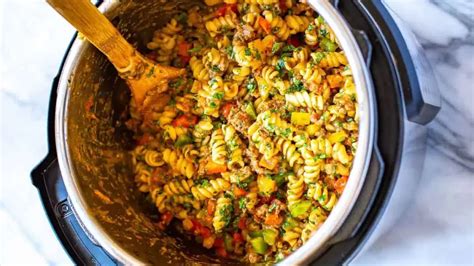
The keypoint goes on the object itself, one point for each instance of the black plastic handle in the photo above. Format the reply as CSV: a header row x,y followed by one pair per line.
x,y
420,91
47,178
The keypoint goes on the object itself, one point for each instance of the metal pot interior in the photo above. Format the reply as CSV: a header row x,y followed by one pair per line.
x,y
93,145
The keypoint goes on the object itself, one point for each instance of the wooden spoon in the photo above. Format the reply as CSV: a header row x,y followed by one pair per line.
x,y
140,73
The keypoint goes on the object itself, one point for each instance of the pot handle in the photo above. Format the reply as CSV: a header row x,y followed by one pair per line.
x,y
47,178
415,74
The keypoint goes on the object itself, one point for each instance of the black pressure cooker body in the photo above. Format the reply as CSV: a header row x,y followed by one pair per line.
x,y
402,99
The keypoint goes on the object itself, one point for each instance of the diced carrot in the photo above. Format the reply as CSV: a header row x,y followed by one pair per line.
x,y
211,207
185,120
221,252
215,168
340,184
238,192
273,219
226,109
242,225
265,25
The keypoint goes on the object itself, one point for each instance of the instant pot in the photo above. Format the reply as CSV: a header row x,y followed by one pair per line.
x,y
85,180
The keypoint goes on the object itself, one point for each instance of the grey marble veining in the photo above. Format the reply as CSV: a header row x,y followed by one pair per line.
x,y
437,228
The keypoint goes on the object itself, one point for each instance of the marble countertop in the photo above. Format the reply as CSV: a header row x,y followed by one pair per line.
x,y
437,228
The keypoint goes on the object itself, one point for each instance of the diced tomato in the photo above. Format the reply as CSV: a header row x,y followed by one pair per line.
x,y
221,11
219,242
144,139
183,48
226,109
283,6
238,192
215,168
238,238
221,252
211,207
186,120
166,217
185,58
242,225
294,40
265,25
340,184
273,219
205,232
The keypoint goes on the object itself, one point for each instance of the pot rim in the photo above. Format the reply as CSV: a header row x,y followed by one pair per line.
x,y
366,109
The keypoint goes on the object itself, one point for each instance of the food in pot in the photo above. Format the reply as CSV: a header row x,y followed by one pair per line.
x,y
251,149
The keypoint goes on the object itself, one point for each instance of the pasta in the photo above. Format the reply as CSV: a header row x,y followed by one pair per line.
x,y
252,147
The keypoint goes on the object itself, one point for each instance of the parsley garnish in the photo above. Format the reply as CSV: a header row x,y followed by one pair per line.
x,y
323,32
204,183
150,73
243,203
296,85
230,51
247,52
310,27
215,68
276,47
218,95
195,49
251,85
288,48
213,105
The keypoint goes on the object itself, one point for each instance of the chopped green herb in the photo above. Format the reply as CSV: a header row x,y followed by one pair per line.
x,y
195,49
213,105
182,18
251,85
288,48
323,32
257,55
248,52
230,51
204,183
311,27
243,203
286,132
322,198
272,207
276,47
215,68
296,85
150,73
218,95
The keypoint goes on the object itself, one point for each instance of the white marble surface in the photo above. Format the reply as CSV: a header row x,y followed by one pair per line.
x,y
438,228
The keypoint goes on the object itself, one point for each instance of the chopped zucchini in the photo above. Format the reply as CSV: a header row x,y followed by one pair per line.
x,y
300,208
327,45
259,245
183,140
250,110
269,236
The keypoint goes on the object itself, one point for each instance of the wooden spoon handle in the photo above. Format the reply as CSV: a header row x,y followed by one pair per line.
x,y
87,19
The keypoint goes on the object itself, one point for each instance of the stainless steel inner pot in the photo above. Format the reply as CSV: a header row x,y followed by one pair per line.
x,y
93,147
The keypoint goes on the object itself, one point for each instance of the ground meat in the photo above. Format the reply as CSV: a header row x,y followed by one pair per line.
x,y
254,157
260,213
244,33
240,120
273,104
